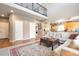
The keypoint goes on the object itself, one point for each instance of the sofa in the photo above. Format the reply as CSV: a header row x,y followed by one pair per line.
x,y
68,48
66,51
57,51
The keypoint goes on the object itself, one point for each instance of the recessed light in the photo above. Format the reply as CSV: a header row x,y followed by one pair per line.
x,y
11,11
2,15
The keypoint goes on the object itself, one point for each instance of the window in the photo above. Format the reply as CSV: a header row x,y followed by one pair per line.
x,y
60,28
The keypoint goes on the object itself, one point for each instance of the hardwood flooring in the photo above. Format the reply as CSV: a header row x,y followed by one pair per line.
x,y
6,43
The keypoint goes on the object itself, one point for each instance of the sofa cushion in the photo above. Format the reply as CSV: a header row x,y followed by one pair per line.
x,y
73,36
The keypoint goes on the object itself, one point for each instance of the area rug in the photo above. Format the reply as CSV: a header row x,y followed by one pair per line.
x,y
32,50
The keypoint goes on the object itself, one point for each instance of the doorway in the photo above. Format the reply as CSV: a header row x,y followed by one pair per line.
x,y
4,33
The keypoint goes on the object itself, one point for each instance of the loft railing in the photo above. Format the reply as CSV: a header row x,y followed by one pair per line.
x,y
35,7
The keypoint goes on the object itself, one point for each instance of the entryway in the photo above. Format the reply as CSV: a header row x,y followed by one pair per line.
x,y
4,33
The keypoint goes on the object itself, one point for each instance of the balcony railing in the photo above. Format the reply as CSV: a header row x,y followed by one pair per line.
x,y
35,7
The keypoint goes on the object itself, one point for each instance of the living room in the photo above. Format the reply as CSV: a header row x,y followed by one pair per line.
x,y
54,35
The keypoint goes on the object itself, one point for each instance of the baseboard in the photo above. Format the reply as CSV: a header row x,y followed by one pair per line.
x,y
21,39
3,38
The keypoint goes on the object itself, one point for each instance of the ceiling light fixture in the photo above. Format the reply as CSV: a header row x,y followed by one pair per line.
x,y
11,11
2,15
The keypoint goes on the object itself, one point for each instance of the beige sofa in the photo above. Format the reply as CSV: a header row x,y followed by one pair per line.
x,y
66,50
57,51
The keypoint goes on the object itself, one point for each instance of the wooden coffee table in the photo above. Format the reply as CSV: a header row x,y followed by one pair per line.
x,y
49,42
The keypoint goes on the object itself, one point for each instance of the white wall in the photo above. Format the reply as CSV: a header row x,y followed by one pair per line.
x,y
29,30
22,27
26,30
18,30
4,28
58,11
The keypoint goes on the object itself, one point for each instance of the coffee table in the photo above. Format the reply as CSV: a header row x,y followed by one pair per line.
x,y
49,42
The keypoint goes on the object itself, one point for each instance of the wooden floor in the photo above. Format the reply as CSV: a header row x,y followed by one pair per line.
x,y
6,43
23,41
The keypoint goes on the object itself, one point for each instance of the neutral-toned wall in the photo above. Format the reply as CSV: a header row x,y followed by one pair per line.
x,y
4,28
18,30
26,30
58,11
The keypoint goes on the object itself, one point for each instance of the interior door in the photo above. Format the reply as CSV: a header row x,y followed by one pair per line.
x,y
32,30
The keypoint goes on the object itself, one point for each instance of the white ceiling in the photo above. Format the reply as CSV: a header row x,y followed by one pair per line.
x,y
57,11
4,9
